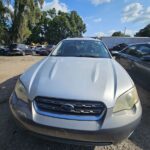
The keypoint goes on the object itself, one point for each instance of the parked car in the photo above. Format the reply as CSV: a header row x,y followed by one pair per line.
x,y
39,48
136,60
119,47
45,51
3,50
50,47
20,49
78,94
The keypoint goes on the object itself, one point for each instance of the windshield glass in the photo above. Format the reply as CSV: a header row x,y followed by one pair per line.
x,y
81,48
13,46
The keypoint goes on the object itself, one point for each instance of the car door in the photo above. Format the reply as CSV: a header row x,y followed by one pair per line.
x,y
141,68
20,47
27,51
126,57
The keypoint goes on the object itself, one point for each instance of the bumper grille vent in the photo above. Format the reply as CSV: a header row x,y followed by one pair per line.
x,y
70,107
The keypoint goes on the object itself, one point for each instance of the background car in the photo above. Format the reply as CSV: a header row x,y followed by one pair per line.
x,y
38,48
43,49
43,52
136,60
50,47
20,49
46,50
3,50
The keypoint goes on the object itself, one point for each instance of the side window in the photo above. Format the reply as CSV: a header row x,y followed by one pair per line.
x,y
129,50
23,46
144,49
19,46
134,51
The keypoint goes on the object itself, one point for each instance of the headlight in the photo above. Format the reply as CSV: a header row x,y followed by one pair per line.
x,y
20,91
126,101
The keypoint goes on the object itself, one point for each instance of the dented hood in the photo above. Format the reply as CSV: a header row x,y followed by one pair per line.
x,y
94,79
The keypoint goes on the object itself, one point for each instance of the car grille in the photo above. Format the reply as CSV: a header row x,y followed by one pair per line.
x,y
71,107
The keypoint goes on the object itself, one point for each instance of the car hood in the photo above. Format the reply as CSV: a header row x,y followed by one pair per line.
x,y
94,79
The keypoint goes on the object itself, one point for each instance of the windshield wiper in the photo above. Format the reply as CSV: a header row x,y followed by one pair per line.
x,y
92,56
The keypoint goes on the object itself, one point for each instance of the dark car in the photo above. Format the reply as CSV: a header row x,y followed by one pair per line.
x,y
136,60
38,49
50,47
43,50
46,50
3,50
119,47
20,49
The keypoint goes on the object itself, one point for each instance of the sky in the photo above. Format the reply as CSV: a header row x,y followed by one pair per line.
x,y
103,17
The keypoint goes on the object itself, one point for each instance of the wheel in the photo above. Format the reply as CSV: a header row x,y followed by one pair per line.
x,y
33,53
23,54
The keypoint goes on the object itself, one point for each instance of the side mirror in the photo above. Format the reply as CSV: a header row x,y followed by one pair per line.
x,y
114,53
145,58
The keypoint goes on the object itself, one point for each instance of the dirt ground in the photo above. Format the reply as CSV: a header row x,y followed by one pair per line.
x,y
13,138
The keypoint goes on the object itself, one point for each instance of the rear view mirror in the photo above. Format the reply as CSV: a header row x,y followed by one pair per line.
x,y
145,58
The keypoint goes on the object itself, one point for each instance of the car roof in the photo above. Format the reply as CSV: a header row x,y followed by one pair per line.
x,y
140,43
82,38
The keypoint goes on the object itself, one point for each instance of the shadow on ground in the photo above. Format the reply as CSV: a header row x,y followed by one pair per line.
x,y
14,138
141,136
6,89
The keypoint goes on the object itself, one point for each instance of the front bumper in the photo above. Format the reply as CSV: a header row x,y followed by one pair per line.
x,y
10,53
114,129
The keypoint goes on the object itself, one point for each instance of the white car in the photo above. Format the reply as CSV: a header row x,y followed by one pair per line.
x,y
77,94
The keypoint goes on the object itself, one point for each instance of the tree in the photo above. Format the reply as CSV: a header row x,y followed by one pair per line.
x,y
30,24
40,29
53,27
145,32
25,15
77,25
65,25
4,27
120,34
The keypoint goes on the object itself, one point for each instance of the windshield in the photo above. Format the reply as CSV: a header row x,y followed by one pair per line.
x,y
81,48
13,46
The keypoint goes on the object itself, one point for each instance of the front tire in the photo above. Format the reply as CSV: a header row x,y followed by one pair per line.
x,y
23,54
33,53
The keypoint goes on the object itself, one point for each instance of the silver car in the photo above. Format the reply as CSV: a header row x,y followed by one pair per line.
x,y
78,94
